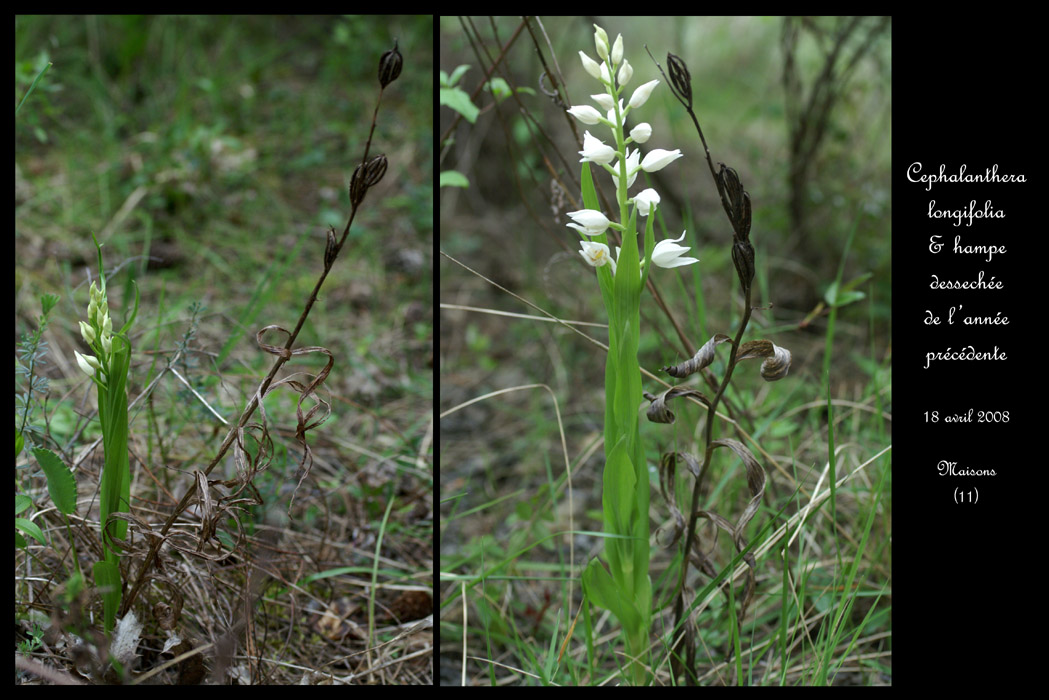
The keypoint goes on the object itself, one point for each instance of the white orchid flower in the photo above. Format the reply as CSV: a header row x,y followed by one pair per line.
x,y
595,150
589,222
658,159
586,114
646,201
667,253
597,254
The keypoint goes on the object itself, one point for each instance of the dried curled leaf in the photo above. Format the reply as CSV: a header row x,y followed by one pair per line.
x,y
667,480
658,412
305,391
756,484
703,357
777,359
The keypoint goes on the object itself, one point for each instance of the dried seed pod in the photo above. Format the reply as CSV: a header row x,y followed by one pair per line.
x,y
357,186
375,169
366,175
680,79
331,249
737,204
390,65
743,259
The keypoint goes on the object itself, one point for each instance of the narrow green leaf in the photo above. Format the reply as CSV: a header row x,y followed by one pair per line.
x,y
32,87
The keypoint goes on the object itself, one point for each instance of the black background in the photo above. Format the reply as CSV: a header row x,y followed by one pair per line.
x,y
965,579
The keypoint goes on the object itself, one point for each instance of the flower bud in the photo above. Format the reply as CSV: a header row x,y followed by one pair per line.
x,y
626,71
604,101
107,344
641,133
586,114
646,200
390,65
87,332
88,363
590,65
640,95
617,50
601,42
107,325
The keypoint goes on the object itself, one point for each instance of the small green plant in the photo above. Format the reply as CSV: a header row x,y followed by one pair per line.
x,y
108,369
32,351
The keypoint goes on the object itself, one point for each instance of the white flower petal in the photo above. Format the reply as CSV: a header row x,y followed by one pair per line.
x,y
590,65
597,254
595,150
658,159
589,221
87,363
586,114
640,95
667,253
